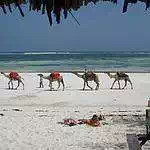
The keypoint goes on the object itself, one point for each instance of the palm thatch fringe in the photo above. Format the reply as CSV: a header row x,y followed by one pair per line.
x,y
59,6
7,3
126,2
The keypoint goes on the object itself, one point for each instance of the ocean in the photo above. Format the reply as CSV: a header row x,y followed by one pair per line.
x,y
99,61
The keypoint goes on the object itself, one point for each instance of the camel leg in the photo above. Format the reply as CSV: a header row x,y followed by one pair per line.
x,y
9,84
113,84
97,85
22,84
17,85
130,83
50,85
12,86
58,84
84,86
125,84
42,85
62,81
119,84
89,86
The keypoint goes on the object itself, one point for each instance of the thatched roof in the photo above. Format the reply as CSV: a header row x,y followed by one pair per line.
x,y
59,6
7,3
126,2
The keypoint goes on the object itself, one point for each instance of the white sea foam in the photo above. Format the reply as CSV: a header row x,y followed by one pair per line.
x,y
47,53
71,60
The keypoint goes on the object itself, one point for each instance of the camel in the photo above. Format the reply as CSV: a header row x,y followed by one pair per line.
x,y
13,76
89,76
120,76
51,79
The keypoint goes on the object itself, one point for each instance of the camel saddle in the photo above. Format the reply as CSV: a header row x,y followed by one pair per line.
x,y
121,74
89,74
55,75
13,75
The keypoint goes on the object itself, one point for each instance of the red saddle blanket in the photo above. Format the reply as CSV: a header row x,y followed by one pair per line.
x,y
13,75
55,75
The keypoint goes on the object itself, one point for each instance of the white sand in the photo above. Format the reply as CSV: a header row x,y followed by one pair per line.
x,y
36,125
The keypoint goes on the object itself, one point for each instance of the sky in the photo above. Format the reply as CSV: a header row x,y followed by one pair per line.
x,y
103,27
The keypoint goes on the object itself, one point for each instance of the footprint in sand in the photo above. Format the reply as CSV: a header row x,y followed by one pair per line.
x,y
76,111
43,116
4,110
1,114
16,109
114,100
40,110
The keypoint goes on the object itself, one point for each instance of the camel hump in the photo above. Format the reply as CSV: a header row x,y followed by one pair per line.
x,y
89,73
122,74
55,75
13,75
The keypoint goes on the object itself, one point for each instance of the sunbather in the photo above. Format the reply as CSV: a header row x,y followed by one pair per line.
x,y
94,121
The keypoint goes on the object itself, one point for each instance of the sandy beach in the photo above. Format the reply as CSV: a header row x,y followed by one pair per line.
x,y
29,118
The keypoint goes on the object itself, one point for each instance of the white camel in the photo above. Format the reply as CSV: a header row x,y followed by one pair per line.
x,y
120,76
52,78
13,76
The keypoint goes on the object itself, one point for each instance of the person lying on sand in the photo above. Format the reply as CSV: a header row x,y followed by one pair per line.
x,y
94,121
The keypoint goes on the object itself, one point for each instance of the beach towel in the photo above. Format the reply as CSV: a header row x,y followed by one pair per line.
x,y
72,122
13,75
55,75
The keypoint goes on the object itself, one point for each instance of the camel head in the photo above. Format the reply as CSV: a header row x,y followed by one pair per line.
x,y
107,73
74,72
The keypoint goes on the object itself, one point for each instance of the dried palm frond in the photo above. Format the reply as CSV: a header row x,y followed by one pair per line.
x,y
59,7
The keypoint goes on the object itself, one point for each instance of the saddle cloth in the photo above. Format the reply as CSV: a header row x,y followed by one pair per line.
x,y
121,74
55,75
13,75
89,74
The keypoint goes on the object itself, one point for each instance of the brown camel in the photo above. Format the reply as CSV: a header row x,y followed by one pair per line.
x,y
13,76
89,76
120,76
54,76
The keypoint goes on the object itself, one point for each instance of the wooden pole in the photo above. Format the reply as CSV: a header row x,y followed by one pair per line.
x,y
74,17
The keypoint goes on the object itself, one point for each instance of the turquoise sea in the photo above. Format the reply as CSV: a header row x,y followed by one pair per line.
x,y
46,61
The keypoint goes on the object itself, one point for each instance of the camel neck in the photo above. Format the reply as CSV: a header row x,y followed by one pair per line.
x,y
110,75
80,76
45,77
7,76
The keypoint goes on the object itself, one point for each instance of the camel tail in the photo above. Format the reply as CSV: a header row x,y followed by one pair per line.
x,y
97,78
